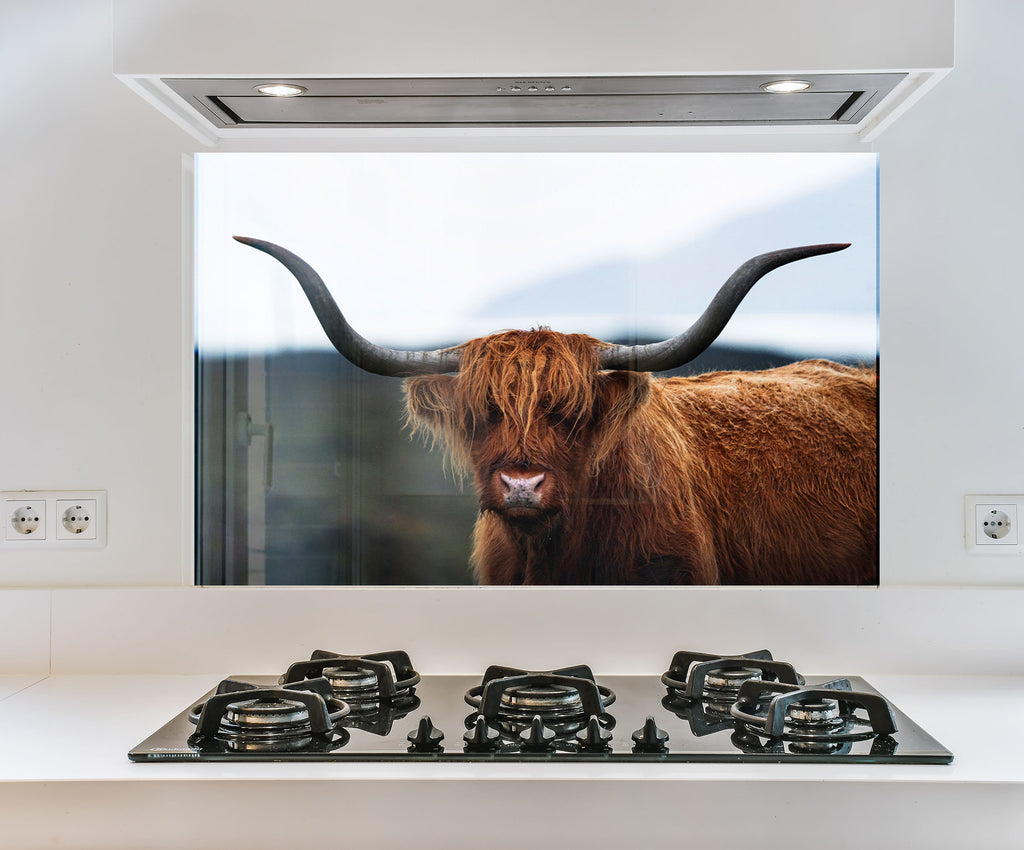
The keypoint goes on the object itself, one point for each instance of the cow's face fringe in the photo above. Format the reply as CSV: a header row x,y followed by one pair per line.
x,y
532,398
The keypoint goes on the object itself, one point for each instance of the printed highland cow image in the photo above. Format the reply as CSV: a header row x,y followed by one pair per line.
x,y
537,368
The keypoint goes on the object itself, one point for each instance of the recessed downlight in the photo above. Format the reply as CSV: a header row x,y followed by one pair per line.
x,y
786,86
280,89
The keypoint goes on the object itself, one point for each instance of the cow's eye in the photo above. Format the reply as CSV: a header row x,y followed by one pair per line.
x,y
562,424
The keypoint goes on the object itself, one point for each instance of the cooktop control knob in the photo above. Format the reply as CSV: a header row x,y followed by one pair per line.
x,y
650,739
481,737
427,737
538,737
594,738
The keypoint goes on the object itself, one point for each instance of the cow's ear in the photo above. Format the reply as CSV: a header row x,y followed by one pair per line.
x,y
620,393
432,410
620,396
429,403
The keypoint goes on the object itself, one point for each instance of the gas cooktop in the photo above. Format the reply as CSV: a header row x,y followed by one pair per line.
x,y
704,708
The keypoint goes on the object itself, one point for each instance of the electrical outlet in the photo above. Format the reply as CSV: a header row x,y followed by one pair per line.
x,y
53,519
76,519
991,525
25,519
995,525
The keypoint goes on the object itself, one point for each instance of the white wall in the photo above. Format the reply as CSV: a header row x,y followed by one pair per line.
x,y
952,303
91,311
93,318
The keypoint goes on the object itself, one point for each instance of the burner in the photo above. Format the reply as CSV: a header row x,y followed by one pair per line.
x,y
814,716
718,678
358,681
268,713
548,700
257,723
563,699
365,681
703,687
729,679
823,715
248,718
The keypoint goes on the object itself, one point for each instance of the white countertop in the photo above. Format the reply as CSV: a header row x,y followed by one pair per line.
x,y
62,753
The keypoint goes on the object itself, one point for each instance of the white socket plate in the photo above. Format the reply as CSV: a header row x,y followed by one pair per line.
x,y
977,509
54,534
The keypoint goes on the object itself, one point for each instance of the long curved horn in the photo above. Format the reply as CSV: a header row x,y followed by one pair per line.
x,y
357,349
670,353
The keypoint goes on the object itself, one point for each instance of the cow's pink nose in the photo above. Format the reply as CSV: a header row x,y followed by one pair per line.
x,y
522,491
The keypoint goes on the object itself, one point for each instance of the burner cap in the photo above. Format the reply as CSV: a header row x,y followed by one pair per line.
x,y
265,723
546,700
346,681
729,679
267,714
814,714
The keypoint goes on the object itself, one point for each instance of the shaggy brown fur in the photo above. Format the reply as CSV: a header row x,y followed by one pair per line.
x,y
725,478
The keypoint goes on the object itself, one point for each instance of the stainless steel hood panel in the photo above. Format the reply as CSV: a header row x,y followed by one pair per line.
x,y
557,101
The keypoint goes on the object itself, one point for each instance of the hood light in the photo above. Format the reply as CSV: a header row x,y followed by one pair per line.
x,y
786,86
280,89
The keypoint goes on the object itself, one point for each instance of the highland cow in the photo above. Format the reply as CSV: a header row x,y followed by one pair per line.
x,y
591,471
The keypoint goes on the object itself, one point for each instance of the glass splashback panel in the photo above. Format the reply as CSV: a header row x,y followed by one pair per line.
x,y
307,469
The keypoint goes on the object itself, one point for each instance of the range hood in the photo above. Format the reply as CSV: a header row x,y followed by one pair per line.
x,y
674,101
460,66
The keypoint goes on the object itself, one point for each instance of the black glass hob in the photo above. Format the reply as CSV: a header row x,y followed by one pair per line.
x,y
704,708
